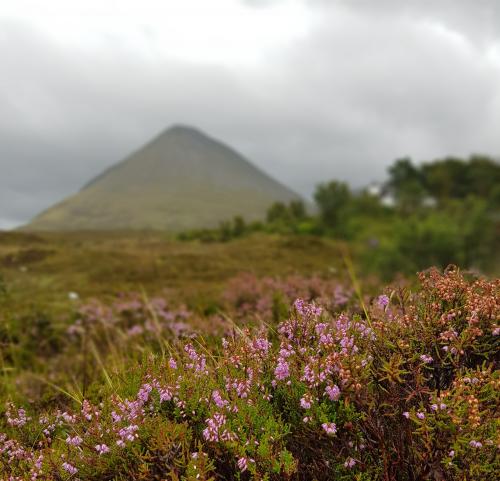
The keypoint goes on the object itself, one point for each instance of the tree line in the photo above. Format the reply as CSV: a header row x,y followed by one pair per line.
x,y
434,213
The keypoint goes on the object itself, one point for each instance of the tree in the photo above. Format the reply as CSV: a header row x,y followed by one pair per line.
x,y
407,184
332,200
483,175
278,212
239,226
455,178
446,178
297,210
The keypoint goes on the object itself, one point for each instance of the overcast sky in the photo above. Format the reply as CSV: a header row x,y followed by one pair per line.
x,y
309,90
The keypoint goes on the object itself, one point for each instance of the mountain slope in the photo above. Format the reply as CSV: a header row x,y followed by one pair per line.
x,y
182,179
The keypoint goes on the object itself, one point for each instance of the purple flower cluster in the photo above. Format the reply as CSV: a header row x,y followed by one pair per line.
x,y
16,416
426,359
216,430
329,428
333,392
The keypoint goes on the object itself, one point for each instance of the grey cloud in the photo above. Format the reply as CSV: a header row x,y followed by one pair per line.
x,y
365,86
476,19
262,3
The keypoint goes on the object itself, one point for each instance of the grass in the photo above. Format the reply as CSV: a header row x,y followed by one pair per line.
x,y
48,266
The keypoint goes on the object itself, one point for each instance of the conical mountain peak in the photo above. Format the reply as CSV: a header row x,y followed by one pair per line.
x,y
181,179
184,130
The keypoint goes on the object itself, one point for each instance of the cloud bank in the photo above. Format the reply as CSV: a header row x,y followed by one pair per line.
x,y
308,90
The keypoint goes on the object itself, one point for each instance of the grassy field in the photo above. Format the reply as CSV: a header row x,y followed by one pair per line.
x,y
46,267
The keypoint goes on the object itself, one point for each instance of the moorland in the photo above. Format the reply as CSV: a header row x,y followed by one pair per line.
x,y
356,342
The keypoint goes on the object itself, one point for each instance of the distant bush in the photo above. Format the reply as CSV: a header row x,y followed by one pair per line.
x,y
280,212
461,233
280,218
226,231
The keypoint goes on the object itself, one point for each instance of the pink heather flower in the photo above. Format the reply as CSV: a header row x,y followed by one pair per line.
x,y
329,428
305,402
406,414
70,419
127,433
144,391
451,453
286,352
425,358
87,410
306,309
74,441
136,330
102,448
69,468
116,417
214,426
218,399
326,339
38,462
165,394
420,415
199,361
320,328
382,301
172,364
441,406
350,463
333,392
282,370
262,344
496,331
242,464
18,419
242,388
476,444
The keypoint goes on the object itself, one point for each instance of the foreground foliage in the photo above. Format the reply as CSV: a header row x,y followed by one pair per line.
x,y
402,387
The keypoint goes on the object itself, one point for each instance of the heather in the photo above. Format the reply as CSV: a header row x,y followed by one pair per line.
x,y
296,377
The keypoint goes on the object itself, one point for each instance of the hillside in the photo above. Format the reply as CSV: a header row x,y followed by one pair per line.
x,y
180,180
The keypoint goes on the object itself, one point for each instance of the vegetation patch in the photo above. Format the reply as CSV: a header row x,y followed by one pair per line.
x,y
402,386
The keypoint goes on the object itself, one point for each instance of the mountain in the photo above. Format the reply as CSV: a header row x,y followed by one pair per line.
x,y
181,180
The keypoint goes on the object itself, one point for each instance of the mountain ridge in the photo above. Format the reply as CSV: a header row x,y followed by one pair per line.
x,y
180,179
